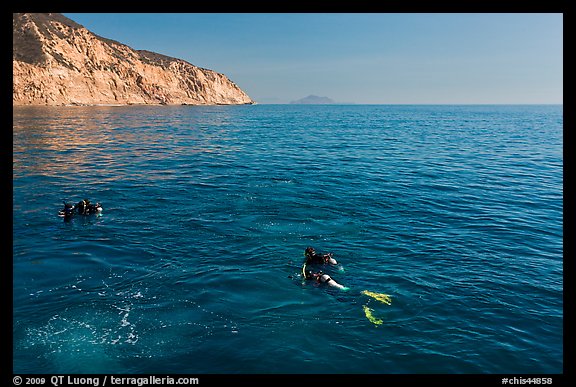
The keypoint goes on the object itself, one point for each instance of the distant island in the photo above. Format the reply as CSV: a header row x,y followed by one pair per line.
x,y
313,100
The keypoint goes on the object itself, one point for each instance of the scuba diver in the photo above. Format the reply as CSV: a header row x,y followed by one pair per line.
x,y
87,208
67,212
322,277
314,258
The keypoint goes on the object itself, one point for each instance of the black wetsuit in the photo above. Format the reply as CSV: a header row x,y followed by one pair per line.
x,y
68,210
85,207
317,258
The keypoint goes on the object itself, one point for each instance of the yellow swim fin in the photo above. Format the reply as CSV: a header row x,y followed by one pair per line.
x,y
384,298
370,316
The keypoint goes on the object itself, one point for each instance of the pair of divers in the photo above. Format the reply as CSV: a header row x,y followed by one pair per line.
x,y
83,207
314,258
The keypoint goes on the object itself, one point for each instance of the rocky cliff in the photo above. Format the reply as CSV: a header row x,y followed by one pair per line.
x,y
56,61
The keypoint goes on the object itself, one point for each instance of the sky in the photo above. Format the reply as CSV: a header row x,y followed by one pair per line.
x,y
373,58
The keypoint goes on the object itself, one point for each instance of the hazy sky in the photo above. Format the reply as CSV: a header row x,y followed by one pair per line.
x,y
360,58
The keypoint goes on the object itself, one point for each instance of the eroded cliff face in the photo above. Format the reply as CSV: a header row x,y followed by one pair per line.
x,y
56,61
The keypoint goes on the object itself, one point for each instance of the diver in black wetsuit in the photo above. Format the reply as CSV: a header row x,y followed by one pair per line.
x,y
85,207
322,277
68,211
314,258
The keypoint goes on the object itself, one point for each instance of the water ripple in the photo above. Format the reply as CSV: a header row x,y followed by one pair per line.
x,y
195,264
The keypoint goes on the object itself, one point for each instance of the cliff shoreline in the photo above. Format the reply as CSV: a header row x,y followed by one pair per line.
x,y
56,61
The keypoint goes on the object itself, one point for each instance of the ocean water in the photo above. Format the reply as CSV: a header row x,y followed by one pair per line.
x,y
194,266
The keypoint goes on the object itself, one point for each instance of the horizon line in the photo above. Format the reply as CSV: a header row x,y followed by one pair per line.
x,y
412,104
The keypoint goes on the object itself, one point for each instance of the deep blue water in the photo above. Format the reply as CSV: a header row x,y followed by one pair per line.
x,y
194,265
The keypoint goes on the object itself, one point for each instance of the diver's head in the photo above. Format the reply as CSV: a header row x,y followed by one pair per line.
x,y
309,251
